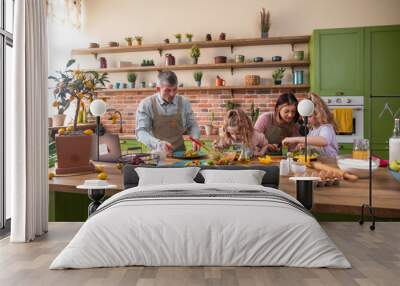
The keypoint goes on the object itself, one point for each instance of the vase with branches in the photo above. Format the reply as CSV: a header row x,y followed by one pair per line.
x,y
264,23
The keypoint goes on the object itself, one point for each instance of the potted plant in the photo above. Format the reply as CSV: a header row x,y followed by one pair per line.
x,y
197,77
129,41
78,86
195,54
277,75
178,37
131,79
209,128
189,37
139,40
61,102
254,113
264,23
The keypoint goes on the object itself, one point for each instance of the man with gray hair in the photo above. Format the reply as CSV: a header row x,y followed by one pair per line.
x,y
163,118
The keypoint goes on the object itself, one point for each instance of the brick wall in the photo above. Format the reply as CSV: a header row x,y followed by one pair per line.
x,y
204,102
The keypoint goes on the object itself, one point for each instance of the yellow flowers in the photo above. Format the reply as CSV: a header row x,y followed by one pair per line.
x,y
79,75
88,132
265,160
102,176
89,84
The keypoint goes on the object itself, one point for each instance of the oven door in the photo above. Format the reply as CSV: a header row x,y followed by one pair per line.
x,y
358,125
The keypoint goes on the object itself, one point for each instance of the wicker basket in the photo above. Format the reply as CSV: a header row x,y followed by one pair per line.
x,y
252,79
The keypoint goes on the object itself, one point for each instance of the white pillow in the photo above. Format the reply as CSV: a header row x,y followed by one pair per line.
x,y
166,176
248,177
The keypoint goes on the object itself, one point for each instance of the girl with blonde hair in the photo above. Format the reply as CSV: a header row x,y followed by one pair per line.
x,y
237,129
322,134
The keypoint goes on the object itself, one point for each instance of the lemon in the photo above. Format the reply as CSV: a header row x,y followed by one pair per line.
x,y
99,168
265,160
61,131
102,176
51,175
394,166
88,132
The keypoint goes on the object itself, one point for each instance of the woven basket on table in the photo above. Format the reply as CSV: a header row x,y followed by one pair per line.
x,y
252,79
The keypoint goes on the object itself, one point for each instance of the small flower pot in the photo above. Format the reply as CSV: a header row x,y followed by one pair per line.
x,y
189,40
117,85
132,84
143,84
214,130
178,40
208,128
264,35
278,82
198,82
58,120
124,85
195,61
220,59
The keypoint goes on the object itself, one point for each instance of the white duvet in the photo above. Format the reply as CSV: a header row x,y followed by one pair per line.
x,y
200,231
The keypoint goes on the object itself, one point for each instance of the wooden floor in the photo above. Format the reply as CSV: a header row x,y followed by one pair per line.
x,y
374,255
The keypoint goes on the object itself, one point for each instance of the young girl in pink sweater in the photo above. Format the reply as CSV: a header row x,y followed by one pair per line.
x,y
237,129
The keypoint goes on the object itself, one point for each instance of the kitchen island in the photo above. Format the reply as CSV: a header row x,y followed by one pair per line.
x,y
69,203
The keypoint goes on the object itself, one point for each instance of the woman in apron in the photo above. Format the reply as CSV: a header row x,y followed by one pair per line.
x,y
281,123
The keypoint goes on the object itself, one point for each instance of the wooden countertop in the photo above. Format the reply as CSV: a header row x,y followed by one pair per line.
x,y
346,198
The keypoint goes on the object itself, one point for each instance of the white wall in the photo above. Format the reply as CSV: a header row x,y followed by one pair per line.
x,y
106,20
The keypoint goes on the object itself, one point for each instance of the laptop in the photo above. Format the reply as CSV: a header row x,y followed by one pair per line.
x,y
109,147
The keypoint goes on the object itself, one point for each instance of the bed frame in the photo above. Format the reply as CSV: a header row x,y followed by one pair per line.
x,y
270,179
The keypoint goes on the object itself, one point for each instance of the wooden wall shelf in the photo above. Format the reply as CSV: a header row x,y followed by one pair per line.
x,y
212,88
201,44
231,66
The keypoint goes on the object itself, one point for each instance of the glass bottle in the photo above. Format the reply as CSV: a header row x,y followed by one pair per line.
x,y
394,142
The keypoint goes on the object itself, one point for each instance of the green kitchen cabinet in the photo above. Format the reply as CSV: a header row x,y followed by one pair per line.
x,y
382,61
337,57
384,110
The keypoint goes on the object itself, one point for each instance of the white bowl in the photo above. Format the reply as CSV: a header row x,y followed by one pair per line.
x,y
357,167
297,168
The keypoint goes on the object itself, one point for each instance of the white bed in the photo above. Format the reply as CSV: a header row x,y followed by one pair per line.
x,y
185,230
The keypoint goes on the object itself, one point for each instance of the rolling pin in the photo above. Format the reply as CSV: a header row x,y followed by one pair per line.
x,y
323,167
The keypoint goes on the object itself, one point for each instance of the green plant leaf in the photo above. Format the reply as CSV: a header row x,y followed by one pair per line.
x,y
70,62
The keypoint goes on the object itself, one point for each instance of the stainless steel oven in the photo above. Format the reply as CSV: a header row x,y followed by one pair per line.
x,y
356,103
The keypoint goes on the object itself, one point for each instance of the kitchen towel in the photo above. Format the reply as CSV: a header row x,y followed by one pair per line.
x,y
344,120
